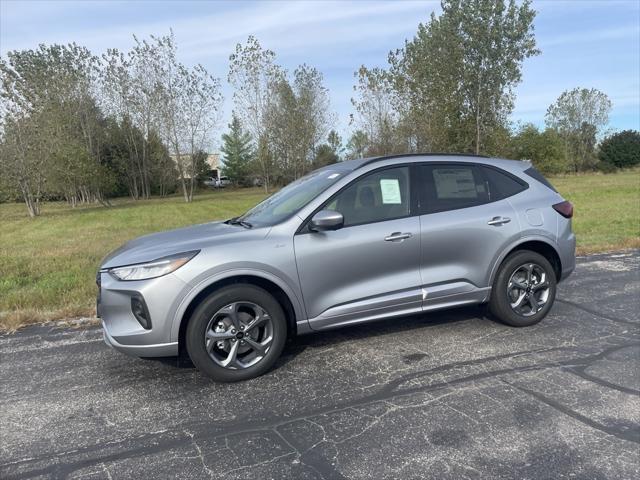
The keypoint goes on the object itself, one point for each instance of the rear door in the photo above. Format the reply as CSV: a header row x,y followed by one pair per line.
x,y
466,223
370,267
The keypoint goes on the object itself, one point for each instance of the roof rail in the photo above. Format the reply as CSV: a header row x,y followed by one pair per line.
x,y
403,155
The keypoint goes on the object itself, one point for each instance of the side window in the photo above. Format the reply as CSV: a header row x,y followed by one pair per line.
x,y
378,196
501,185
450,187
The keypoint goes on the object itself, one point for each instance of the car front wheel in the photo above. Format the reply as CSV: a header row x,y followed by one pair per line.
x,y
236,333
524,289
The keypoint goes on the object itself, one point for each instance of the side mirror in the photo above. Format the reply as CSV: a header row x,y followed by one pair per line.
x,y
326,220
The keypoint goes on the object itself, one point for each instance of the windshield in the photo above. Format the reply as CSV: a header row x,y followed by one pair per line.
x,y
291,198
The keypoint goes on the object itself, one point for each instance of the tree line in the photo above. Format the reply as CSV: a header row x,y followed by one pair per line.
x,y
451,89
84,128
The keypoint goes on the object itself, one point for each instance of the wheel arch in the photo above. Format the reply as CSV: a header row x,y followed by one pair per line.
x,y
538,245
283,297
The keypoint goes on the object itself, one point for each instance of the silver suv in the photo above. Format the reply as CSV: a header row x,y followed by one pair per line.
x,y
358,241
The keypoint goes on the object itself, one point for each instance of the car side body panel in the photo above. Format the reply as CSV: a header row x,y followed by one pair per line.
x,y
459,248
353,273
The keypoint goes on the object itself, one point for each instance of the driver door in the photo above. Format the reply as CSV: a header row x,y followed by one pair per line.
x,y
369,268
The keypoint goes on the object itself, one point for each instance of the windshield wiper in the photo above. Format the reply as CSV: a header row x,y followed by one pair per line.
x,y
236,221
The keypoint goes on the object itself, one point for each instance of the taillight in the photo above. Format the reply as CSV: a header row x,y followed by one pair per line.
x,y
564,208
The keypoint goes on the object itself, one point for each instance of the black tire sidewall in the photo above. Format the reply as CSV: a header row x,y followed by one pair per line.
x,y
499,303
200,319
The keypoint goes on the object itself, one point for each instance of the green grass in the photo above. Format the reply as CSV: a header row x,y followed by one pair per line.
x,y
606,209
48,264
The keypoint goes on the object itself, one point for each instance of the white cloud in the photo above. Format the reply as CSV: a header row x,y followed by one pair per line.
x,y
614,33
213,33
337,37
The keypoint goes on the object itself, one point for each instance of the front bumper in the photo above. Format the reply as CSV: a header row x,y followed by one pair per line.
x,y
153,350
122,331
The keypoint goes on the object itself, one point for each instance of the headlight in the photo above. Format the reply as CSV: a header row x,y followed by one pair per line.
x,y
156,268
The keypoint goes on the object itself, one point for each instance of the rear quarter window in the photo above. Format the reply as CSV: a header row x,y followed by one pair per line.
x,y
536,175
502,185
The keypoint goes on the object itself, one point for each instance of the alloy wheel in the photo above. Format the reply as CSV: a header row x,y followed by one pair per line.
x,y
239,335
528,289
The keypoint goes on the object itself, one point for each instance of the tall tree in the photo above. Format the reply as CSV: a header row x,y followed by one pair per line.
x,y
238,153
49,113
254,75
453,83
299,119
579,115
334,140
357,145
190,109
375,113
22,161
131,94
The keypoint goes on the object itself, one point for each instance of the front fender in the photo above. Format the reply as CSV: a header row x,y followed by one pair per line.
x,y
203,282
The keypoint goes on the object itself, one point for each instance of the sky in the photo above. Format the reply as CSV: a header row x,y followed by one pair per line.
x,y
584,43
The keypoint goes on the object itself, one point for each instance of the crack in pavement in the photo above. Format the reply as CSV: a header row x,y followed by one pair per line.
x,y
597,313
621,433
130,448
580,372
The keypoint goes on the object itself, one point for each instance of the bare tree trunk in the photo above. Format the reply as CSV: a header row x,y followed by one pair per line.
x,y
32,206
183,182
477,149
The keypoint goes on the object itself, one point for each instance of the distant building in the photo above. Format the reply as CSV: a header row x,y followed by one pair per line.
x,y
213,160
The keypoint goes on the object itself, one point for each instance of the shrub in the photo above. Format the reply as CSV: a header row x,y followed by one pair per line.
x,y
606,167
621,149
544,149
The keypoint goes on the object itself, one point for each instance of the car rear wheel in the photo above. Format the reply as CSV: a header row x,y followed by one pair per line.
x,y
236,333
524,289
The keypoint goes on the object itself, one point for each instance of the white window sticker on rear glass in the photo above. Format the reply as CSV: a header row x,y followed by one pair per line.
x,y
390,189
454,183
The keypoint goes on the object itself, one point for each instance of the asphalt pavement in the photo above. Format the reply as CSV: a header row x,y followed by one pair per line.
x,y
444,395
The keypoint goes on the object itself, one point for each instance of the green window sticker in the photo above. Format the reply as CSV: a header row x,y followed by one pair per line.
x,y
390,189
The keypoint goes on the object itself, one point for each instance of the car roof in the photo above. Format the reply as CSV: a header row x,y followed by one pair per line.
x,y
517,165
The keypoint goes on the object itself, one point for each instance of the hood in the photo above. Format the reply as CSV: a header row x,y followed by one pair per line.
x,y
196,237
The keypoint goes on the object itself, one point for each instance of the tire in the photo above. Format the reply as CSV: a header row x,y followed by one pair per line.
x,y
215,317
506,289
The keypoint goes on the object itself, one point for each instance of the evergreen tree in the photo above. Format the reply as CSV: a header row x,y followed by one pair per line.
x,y
358,145
238,153
325,155
335,142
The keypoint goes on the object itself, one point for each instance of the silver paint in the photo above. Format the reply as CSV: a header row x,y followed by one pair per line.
x,y
337,277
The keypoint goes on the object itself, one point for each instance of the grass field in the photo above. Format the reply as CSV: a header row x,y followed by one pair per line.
x,y
48,264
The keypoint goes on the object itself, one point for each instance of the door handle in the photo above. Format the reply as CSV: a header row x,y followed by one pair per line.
x,y
497,221
397,236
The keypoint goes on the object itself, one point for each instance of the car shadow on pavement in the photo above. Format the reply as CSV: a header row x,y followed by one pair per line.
x,y
387,326
390,326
